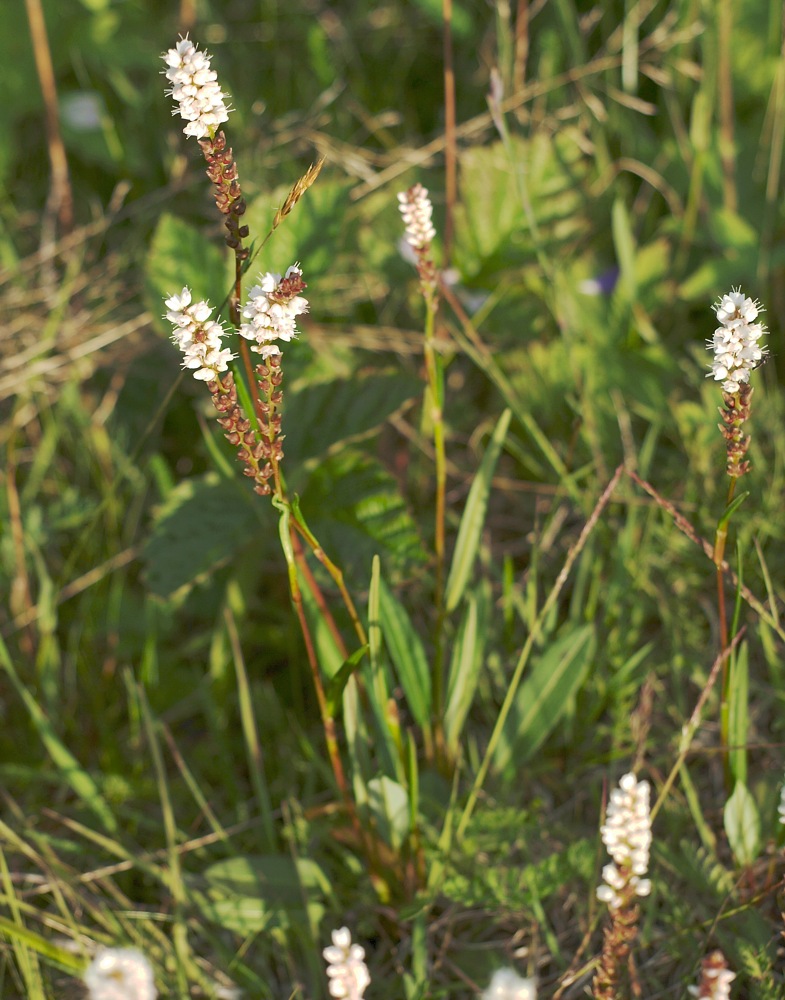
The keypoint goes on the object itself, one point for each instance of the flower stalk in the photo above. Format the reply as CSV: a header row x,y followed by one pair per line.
x,y
417,212
737,352
626,834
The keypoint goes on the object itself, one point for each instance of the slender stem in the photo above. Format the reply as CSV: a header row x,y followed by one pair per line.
x,y
719,551
328,722
450,146
725,87
435,396
333,570
317,594
60,196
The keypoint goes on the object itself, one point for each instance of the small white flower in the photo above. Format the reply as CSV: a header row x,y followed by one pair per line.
x,y
416,209
346,968
627,837
120,974
781,806
716,978
198,336
272,309
735,342
506,984
195,89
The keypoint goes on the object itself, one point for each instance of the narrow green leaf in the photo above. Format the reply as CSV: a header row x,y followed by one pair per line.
x,y
624,244
473,517
742,824
407,654
545,694
389,804
465,666
338,681
738,703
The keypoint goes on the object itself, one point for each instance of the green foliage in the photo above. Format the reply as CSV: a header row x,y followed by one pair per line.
x,y
134,557
249,894
546,694
199,527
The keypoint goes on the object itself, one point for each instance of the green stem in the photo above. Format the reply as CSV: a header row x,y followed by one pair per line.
x,y
435,397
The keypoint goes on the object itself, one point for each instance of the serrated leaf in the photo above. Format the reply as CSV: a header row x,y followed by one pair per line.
x,y
181,255
317,417
312,232
742,824
546,694
355,509
198,528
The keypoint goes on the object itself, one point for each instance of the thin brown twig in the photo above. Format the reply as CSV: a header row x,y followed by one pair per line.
x,y
60,195
687,529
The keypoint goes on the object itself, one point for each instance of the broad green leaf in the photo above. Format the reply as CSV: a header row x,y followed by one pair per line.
x,y
546,694
317,417
473,518
389,805
742,825
197,529
182,255
355,509
312,233
465,666
493,229
253,893
407,655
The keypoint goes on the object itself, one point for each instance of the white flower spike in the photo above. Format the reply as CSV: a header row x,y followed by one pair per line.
x,y
201,102
346,968
120,974
627,837
272,309
197,336
506,984
735,343
416,209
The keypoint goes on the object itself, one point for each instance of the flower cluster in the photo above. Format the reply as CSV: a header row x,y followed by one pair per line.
x,y
735,342
715,980
195,88
416,210
346,968
506,984
781,806
272,309
197,336
627,837
120,974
